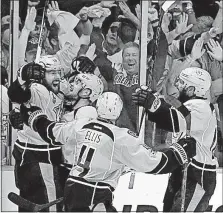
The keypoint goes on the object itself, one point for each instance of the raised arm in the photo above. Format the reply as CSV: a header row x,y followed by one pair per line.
x,y
53,133
23,39
19,90
129,15
138,156
159,111
218,19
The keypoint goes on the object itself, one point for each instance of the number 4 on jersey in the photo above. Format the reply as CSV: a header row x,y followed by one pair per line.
x,y
86,163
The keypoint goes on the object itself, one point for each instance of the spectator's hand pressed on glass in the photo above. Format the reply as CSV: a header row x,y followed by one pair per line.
x,y
182,27
51,9
166,22
53,6
125,9
127,13
197,50
215,50
30,23
152,14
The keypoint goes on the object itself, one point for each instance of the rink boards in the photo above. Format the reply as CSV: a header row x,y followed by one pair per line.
x,y
147,192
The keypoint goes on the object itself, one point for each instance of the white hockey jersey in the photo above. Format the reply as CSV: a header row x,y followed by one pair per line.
x,y
103,149
86,113
50,104
204,129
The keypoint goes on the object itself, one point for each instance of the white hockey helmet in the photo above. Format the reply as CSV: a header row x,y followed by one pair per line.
x,y
109,106
92,82
198,78
50,63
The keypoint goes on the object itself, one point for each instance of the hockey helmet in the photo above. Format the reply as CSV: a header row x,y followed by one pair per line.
x,y
198,78
50,63
109,106
92,82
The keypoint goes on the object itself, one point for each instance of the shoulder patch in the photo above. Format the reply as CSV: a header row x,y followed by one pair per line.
x,y
132,133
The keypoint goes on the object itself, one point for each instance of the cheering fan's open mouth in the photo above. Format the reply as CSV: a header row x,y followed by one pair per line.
x,y
55,84
131,64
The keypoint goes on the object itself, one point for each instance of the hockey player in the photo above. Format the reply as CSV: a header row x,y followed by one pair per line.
x,y
82,91
36,162
193,84
103,150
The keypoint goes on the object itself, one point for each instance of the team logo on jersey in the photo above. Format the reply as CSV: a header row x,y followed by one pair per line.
x,y
58,111
132,133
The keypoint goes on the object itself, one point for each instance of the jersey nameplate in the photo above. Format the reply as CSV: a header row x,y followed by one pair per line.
x,y
93,136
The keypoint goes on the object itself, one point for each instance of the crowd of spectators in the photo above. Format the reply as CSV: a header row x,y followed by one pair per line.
x,y
108,33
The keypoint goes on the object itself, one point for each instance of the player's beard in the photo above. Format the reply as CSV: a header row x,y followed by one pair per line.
x,y
51,88
183,97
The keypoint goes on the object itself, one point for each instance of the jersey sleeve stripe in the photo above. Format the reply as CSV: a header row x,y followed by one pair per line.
x,y
50,135
184,111
175,123
160,166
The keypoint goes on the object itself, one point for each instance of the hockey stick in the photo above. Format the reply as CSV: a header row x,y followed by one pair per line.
x,y
40,40
184,187
163,6
132,180
30,206
152,60
142,74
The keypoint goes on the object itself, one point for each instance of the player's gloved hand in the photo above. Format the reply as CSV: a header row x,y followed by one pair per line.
x,y
83,64
15,119
184,149
30,115
31,72
144,97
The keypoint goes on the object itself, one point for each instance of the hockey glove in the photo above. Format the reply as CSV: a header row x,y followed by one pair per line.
x,y
31,72
184,149
31,115
15,119
83,64
144,97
